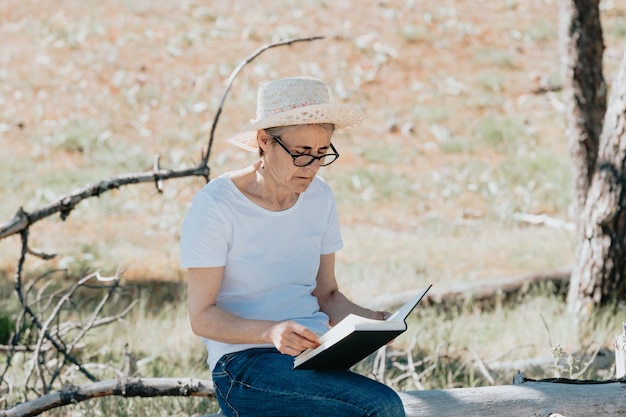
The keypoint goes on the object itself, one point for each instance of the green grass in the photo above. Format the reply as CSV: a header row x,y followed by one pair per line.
x,y
494,57
490,81
413,34
616,26
502,133
541,178
543,30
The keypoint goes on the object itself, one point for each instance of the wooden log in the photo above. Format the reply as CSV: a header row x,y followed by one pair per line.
x,y
527,399
477,291
568,398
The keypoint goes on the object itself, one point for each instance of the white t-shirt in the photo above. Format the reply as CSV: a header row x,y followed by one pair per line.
x,y
271,258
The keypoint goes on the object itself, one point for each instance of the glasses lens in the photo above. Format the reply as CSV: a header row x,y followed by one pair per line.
x,y
328,159
303,160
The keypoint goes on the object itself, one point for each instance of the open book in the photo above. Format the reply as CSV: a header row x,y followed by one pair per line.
x,y
354,338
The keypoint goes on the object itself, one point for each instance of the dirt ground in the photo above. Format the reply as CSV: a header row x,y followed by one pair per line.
x,y
90,90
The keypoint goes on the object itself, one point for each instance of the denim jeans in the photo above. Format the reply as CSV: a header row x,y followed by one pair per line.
x,y
261,382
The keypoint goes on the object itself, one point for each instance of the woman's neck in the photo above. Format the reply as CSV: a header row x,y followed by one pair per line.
x,y
258,184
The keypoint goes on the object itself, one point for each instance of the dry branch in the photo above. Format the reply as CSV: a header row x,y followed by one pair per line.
x,y
478,291
128,387
236,72
64,205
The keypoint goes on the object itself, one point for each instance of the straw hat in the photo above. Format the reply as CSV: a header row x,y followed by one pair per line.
x,y
295,101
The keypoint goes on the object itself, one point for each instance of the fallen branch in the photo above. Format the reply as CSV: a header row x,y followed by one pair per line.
x,y
478,291
544,220
64,205
127,387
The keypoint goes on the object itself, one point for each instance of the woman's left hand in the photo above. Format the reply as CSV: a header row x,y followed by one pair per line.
x,y
381,315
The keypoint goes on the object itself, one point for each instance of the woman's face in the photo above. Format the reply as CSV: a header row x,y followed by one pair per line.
x,y
305,139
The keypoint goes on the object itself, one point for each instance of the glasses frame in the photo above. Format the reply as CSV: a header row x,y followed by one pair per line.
x,y
313,158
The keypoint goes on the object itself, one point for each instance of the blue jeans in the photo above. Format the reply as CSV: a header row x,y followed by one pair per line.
x,y
261,382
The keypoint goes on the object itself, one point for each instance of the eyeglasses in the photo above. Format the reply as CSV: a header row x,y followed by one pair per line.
x,y
303,159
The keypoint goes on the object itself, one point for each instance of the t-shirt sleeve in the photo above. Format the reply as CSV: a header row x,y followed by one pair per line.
x,y
204,239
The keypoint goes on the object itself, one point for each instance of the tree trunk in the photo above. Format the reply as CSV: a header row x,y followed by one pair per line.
x,y
584,89
600,274
597,151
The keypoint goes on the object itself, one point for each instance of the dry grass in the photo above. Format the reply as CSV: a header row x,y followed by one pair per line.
x,y
455,142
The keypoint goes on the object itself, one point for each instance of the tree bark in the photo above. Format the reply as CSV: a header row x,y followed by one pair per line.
x,y
599,277
527,399
584,89
597,148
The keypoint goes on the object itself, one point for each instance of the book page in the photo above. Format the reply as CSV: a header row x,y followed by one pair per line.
x,y
404,311
346,325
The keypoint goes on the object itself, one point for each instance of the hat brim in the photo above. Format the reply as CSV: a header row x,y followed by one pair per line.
x,y
343,116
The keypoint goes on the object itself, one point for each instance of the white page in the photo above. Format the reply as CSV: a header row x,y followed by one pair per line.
x,y
404,311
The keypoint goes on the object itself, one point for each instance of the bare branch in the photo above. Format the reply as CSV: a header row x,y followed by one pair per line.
x,y
66,204
233,75
45,334
18,290
128,387
41,254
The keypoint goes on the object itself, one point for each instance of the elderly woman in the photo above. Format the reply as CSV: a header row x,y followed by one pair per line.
x,y
259,245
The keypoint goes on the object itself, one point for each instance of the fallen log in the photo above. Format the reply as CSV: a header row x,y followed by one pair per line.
x,y
532,398
478,291
551,397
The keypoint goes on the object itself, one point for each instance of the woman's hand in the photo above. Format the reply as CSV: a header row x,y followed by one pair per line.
x,y
381,315
291,338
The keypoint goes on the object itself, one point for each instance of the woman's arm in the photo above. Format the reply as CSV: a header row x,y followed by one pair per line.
x,y
331,300
208,320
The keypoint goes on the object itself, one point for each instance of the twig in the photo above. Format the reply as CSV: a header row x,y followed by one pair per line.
x,y
547,330
542,219
17,284
44,334
233,75
483,369
589,362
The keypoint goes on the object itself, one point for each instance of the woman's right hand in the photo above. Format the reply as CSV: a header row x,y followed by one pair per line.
x,y
291,338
